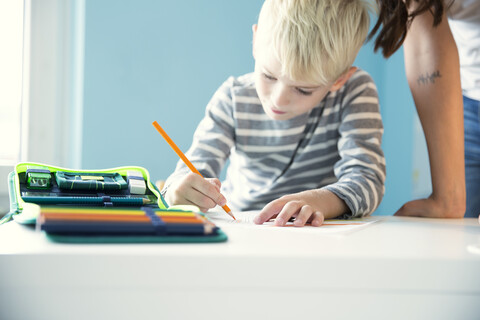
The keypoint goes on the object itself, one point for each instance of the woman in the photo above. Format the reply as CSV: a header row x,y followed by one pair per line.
x,y
433,73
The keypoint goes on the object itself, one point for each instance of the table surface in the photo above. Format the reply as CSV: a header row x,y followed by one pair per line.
x,y
392,262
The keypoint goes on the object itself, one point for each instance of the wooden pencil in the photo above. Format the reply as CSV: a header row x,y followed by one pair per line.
x,y
185,159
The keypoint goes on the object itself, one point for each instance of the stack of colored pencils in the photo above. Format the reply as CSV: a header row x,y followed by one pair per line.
x,y
123,221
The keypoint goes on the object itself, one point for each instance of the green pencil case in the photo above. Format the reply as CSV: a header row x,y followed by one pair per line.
x,y
32,185
43,184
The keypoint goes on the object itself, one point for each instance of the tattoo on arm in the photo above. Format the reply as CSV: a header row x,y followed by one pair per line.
x,y
427,78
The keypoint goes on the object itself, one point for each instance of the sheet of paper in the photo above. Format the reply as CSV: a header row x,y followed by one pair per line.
x,y
245,219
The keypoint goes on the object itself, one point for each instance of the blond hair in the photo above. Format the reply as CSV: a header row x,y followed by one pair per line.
x,y
314,40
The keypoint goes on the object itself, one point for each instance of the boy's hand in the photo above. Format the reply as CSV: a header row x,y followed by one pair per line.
x,y
312,206
287,207
196,190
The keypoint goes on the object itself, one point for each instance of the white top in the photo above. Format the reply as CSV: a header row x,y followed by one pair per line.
x,y
464,19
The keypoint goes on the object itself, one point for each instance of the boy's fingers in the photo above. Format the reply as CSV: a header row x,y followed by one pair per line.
x,y
216,195
288,210
303,216
192,179
317,219
207,188
215,182
200,199
270,210
195,190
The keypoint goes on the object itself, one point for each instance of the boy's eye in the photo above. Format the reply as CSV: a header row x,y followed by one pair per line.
x,y
305,93
269,77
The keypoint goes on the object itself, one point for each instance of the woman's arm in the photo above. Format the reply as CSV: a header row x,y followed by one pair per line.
x,y
433,74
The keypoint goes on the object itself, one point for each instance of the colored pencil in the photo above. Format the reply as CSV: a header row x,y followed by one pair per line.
x,y
115,218
67,220
116,211
130,201
185,159
121,228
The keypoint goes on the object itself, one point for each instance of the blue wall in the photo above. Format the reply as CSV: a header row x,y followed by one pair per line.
x,y
156,60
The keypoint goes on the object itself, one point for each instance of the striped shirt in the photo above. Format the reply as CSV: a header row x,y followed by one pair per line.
x,y
335,146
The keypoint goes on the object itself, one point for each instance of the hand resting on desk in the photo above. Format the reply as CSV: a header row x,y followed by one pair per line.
x,y
312,206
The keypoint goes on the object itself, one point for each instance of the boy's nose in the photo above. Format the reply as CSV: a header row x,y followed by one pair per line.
x,y
281,96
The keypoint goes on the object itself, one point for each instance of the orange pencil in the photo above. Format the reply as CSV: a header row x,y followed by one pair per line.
x,y
185,159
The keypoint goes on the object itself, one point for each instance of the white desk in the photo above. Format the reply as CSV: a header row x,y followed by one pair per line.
x,y
396,268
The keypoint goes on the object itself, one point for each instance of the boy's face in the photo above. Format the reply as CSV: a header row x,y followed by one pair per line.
x,y
281,97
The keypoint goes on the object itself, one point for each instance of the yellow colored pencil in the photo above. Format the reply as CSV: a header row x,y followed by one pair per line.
x,y
185,159
108,211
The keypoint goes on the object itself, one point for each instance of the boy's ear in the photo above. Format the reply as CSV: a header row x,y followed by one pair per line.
x,y
343,78
254,29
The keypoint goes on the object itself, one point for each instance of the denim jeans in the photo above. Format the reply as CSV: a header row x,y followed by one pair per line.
x,y
471,118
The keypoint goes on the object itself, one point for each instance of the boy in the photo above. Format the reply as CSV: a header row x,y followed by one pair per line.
x,y
302,132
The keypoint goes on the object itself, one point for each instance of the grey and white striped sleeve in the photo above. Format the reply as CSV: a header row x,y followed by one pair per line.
x,y
361,168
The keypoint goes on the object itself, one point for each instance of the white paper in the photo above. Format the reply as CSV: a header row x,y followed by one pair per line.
x,y
245,219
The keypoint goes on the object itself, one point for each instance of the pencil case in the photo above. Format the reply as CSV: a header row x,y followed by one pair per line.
x,y
47,185
77,193
125,225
